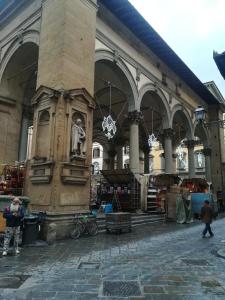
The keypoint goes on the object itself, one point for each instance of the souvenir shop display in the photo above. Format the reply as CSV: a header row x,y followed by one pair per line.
x,y
12,179
121,189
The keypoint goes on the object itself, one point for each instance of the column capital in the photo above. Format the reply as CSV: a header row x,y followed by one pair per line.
x,y
168,133
207,151
135,116
190,143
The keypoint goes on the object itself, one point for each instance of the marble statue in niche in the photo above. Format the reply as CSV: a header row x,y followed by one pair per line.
x,y
78,139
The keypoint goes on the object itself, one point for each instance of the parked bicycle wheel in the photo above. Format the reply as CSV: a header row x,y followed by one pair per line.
x,y
92,228
76,232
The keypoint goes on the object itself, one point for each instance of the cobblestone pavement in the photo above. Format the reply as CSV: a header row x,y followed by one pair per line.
x,y
153,262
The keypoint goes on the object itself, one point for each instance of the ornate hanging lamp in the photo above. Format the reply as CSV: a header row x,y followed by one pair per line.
x,y
108,124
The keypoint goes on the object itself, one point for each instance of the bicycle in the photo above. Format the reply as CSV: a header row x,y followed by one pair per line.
x,y
84,224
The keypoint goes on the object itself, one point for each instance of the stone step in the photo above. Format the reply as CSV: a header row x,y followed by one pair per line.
x,y
136,220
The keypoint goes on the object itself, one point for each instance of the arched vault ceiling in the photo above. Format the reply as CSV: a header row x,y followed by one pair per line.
x,y
112,95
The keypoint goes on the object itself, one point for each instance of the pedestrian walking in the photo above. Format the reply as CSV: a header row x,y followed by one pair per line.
x,y
13,215
207,216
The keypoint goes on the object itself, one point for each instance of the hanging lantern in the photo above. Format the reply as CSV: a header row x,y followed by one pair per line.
x,y
152,140
108,124
180,152
109,127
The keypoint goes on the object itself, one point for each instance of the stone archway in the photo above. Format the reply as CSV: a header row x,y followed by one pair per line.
x,y
156,116
183,141
114,85
17,87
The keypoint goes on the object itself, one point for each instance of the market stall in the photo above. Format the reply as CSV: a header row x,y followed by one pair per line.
x,y
120,188
161,198
200,190
12,179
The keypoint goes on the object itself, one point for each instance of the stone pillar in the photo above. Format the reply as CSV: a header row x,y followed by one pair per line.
x,y
168,135
134,118
174,156
207,153
191,159
58,177
111,154
146,151
67,44
106,161
26,122
119,153
23,138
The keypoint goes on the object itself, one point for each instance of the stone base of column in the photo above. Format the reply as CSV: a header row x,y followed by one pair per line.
x,y
57,226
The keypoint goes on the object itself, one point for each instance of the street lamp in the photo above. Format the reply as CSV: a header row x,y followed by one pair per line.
x,y
200,115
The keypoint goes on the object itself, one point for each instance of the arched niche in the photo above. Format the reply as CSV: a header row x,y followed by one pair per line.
x,y
18,75
43,143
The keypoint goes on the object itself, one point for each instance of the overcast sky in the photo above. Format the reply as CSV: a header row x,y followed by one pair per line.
x,y
193,29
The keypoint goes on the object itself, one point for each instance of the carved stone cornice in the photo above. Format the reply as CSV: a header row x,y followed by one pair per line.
x,y
207,151
44,92
7,101
135,116
190,143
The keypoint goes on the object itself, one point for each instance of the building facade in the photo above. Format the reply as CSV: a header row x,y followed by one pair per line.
x,y
62,75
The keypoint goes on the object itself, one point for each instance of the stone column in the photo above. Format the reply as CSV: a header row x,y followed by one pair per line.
x,y
111,154
134,118
191,159
168,150
174,156
207,153
26,117
119,153
67,44
59,180
106,161
146,151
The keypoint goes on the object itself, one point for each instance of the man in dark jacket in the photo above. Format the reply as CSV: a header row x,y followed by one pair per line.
x,y
207,216
13,215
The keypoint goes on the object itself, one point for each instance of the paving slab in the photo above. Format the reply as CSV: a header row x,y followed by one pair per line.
x,y
156,262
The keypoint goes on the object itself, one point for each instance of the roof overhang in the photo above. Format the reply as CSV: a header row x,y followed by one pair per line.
x,y
220,62
130,17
